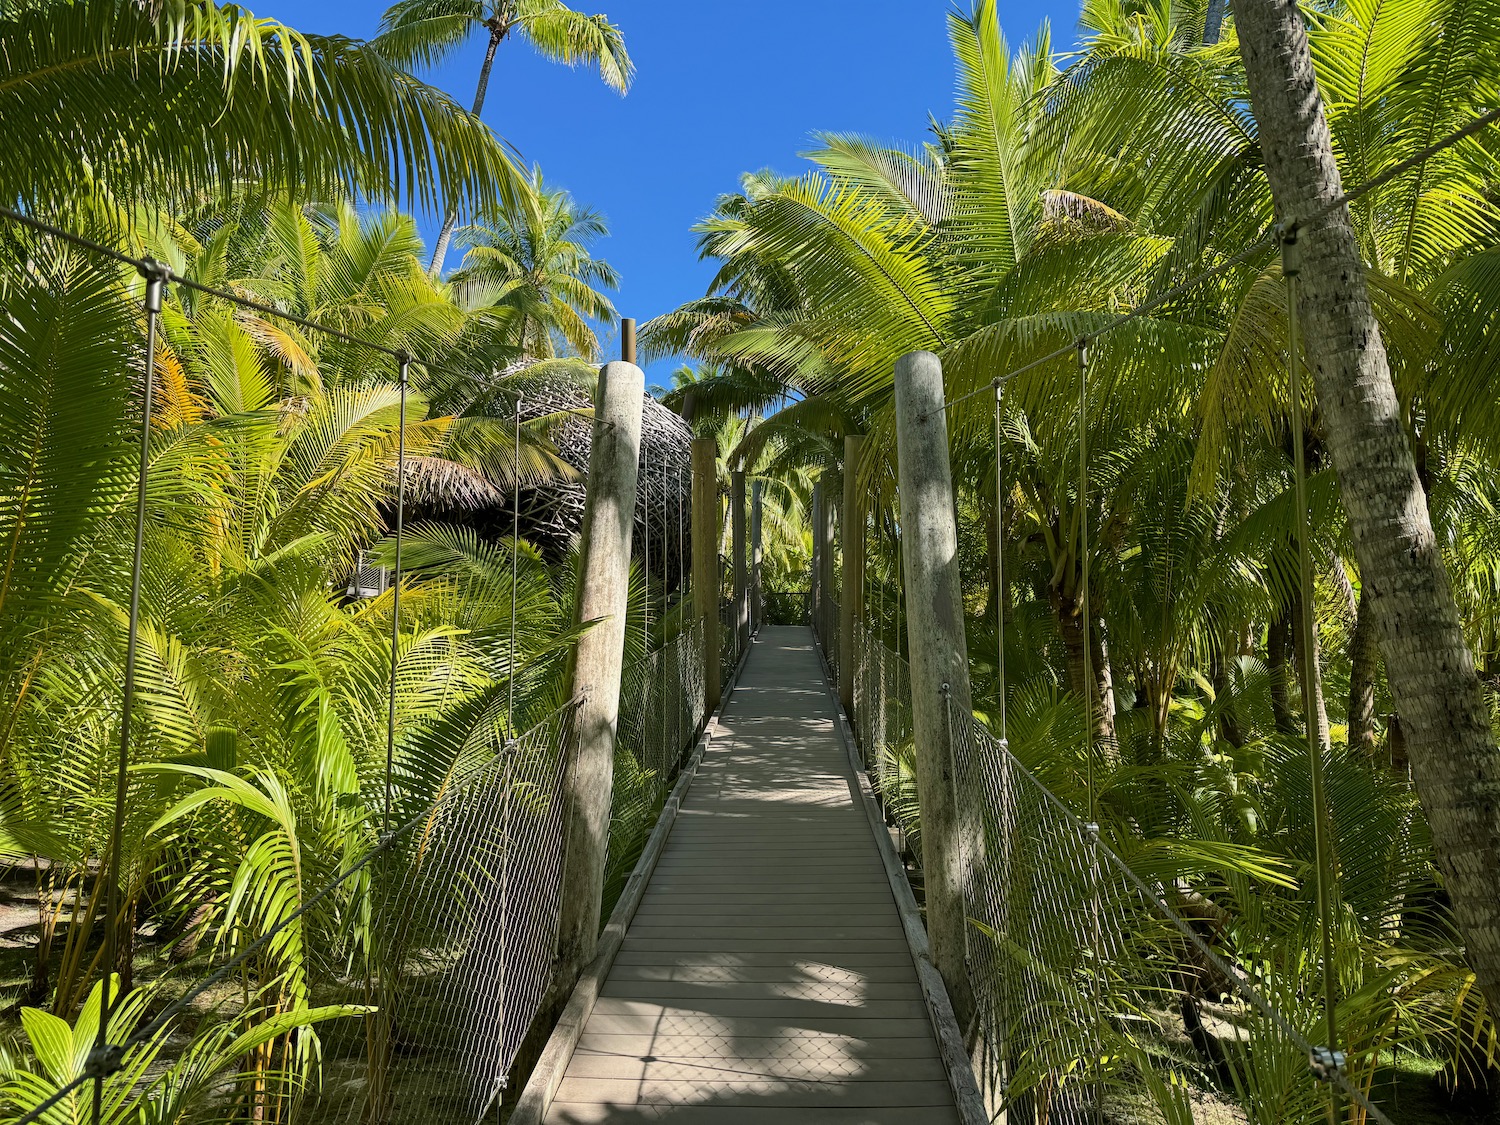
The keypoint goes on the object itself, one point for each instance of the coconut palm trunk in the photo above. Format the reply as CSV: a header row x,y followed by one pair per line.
x,y
498,28
1431,672
1364,657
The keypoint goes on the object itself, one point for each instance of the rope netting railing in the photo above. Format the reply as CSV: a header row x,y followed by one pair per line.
x,y
295,819
826,612
662,711
883,725
398,990
1097,997
459,944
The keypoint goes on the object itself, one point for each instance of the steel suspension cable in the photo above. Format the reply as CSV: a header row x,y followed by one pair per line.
x,y
1326,883
1000,686
515,566
390,720
104,1059
1085,609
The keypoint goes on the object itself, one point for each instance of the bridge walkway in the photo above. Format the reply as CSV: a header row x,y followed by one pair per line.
x,y
766,977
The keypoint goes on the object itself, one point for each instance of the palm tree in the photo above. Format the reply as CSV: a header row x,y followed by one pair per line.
x,y
536,261
171,102
424,32
1428,661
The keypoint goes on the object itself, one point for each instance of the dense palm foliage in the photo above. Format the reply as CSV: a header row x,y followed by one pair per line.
x,y
536,258
193,134
173,100
1064,191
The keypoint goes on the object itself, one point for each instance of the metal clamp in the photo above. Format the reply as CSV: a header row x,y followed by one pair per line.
x,y
1091,830
158,275
1291,249
104,1061
1325,1063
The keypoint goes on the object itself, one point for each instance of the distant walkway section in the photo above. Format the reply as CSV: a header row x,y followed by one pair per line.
x,y
765,979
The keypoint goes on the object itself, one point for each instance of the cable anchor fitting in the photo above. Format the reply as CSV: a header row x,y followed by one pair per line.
x,y
158,276
104,1061
1291,248
1325,1063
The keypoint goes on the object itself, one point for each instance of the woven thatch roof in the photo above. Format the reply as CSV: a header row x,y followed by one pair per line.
x,y
552,514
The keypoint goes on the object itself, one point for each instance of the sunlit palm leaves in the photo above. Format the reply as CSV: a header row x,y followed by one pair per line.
x,y
167,101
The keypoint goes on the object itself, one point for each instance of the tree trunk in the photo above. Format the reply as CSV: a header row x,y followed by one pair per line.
x,y
1213,22
1431,673
1101,693
1279,671
1364,656
1311,694
450,218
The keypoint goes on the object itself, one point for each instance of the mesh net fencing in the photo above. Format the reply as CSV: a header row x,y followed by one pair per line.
x,y
400,990
380,954
662,711
1097,997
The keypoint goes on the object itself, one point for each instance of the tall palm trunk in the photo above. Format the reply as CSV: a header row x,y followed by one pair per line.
x,y
1101,692
1279,669
1312,694
1431,672
1364,655
498,27
1213,22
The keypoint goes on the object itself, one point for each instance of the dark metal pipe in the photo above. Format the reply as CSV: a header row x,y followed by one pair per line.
x,y
102,1063
390,717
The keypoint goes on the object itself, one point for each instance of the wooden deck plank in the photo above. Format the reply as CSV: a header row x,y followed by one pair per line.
x,y
766,977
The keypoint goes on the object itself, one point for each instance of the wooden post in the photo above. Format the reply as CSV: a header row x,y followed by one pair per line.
x,y
815,593
706,533
853,592
938,650
757,595
737,553
824,532
627,339
603,597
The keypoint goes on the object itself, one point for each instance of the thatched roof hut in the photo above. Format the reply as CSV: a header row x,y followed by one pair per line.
x,y
552,513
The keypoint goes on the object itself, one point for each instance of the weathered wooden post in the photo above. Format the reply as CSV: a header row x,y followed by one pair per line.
x,y
815,593
603,597
823,538
757,595
938,652
853,593
737,551
706,533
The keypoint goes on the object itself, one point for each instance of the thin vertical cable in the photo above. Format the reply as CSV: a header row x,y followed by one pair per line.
x,y
390,715
684,593
999,563
103,1062
1322,842
661,649
1097,966
644,504
1085,610
515,565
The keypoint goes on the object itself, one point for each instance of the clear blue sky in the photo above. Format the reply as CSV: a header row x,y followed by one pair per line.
x,y
720,89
